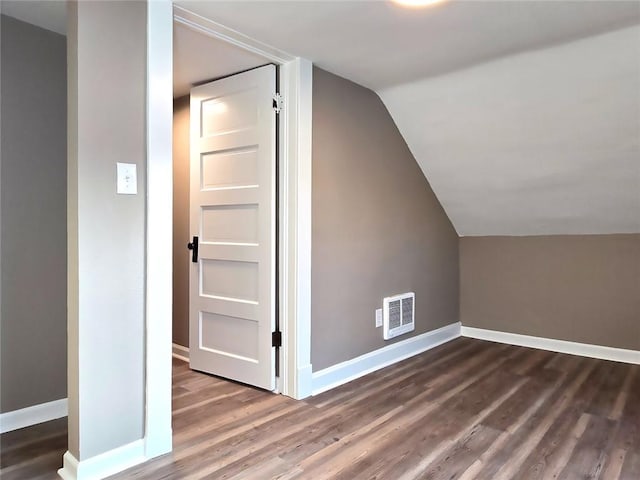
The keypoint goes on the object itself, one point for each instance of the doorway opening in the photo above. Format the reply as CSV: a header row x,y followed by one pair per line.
x,y
224,210
294,212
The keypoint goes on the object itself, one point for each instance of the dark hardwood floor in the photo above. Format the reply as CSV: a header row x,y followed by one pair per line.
x,y
33,453
466,410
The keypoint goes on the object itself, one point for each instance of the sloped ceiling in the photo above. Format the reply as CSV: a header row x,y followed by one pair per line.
x,y
47,14
544,142
524,116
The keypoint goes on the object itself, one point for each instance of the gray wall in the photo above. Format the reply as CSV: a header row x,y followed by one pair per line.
x,y
578,288
107,124
181,232
378,229
34,237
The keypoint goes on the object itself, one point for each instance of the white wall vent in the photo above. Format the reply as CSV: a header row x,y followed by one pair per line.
x,y
398,315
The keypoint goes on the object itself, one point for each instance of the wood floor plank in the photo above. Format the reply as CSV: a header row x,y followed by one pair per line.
x,y
556,447
609,392
631,466
517,405
23,437
430,367
39,446
505,439
467,410
621,400
589,456
614,464
628,435
439,462
45,465
458,458
440,425
524,439
535,360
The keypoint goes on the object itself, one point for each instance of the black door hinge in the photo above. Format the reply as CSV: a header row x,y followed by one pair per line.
x,y
276,339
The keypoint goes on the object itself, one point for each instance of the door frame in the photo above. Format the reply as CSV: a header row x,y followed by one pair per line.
x,y
294,233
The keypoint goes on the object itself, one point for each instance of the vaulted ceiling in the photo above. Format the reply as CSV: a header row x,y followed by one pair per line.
x,y
523,115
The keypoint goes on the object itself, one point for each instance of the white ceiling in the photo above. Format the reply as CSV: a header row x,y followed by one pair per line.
x,y
520,126
49,14
524,116
379,44
198,58
544,142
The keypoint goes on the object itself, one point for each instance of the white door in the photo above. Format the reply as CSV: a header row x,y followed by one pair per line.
x,y
232,284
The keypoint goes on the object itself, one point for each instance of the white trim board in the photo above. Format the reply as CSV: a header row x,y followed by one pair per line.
x,y
159,229
180,352
26,417
103,465
345,372
295,214
561,346
216,30
296,78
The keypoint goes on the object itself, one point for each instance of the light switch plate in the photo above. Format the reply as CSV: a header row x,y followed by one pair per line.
x,y
127,181
378,317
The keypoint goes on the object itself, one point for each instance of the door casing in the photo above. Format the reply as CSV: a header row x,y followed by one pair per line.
x,y
294,214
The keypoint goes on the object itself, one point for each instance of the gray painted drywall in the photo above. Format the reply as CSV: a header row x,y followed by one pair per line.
x,y
34,176
181,232
541,143
106,231
583,288
374,233
377,229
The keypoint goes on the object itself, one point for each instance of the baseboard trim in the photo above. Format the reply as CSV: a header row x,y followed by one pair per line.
x,y
29,416
561,346
180,352
305,382
103,465
345,372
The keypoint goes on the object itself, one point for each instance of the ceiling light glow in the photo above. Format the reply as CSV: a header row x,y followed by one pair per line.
x,y
416,3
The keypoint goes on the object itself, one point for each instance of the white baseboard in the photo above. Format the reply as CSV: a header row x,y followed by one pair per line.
x,y
180,352
26,417
103,465
344,372
158,444
305,382
561,346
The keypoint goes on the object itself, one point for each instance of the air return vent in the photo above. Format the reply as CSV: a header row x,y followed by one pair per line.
x,y
398,315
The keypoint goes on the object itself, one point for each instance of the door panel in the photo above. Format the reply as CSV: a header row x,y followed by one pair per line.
x,y
231,223
230,113
238,168
233,280
233,175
